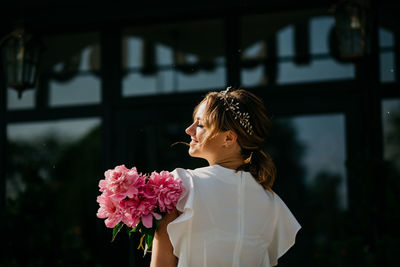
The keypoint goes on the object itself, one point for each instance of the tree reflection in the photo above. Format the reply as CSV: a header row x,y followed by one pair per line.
x,y
389,241
47,216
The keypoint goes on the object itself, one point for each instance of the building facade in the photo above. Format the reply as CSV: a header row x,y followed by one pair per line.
x,y
118,84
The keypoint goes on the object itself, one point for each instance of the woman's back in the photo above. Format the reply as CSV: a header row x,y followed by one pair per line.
x,y
228,219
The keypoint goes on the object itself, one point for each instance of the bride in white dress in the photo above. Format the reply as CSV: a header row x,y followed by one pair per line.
x,y
229,215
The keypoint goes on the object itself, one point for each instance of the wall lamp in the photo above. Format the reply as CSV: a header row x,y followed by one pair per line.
x,y
20,55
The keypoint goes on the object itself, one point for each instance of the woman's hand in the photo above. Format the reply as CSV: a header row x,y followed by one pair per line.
x,y
162,251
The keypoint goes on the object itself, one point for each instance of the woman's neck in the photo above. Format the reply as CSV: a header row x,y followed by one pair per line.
x,y
230,163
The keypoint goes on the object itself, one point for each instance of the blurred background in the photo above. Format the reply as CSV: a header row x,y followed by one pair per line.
x,y
84,88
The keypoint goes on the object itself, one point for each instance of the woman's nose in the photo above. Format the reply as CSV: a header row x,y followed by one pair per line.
x,y
191,129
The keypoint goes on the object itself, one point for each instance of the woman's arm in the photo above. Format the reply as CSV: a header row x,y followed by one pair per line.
x,y
162,250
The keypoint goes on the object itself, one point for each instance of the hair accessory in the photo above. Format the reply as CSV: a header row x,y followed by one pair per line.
x,y
248,160
243,117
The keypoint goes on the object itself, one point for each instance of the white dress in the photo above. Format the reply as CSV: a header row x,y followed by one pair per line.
x,y
228,219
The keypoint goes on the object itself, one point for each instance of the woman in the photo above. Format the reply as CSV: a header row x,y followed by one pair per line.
x,y
229,215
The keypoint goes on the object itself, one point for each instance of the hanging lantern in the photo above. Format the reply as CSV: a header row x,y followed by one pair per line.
x,y
20,53
350,40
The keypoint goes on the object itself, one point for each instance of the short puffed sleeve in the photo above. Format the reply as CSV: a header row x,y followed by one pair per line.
x,y
178,229
284,235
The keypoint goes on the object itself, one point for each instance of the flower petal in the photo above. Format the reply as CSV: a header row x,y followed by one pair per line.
x,y
148,220
157,216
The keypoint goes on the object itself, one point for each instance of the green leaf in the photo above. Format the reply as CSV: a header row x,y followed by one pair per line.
x,y
149,240
138,227
130,231
116,230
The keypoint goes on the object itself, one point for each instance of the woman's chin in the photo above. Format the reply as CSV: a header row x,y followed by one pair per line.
x,y
193,153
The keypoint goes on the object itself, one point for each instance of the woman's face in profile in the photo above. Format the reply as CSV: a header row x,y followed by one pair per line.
x,y
198,132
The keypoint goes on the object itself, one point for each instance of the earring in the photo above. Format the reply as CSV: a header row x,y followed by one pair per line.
x,y
248,160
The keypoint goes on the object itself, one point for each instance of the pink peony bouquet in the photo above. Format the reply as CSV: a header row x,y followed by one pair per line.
x,y
137,200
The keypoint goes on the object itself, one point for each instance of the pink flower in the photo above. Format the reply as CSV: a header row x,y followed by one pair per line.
x,y
127,198
109,209
131,217
121,182
140,208
166,189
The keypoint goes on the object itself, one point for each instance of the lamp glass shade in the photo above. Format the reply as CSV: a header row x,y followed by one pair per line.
x,y
351,33
20,53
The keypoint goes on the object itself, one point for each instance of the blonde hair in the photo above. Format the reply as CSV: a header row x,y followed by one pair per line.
x,y
218,118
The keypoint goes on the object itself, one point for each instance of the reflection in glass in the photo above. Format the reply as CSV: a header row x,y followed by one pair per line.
x,y
66,130
73,82
391,131
51,186
271,57
387,56
212,78
387,67
320,28
27,100
309,153
173,58
386,38
391,170
254,76
323,140
285,38
70,73
317,70
82,89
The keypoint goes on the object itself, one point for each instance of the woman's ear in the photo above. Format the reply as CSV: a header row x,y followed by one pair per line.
x,y
230,137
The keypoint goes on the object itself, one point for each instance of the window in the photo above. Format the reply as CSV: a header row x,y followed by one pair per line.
x,y
26,101
50,194
272,54
73,71
391,132
171,58
387,56
310,153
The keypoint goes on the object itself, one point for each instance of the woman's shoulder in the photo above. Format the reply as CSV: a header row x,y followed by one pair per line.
x,y
274,197
196,172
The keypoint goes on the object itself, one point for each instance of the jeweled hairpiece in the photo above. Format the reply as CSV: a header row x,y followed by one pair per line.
x,y
230,104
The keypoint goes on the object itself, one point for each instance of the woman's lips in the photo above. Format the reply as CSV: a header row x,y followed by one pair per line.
x,y
193,142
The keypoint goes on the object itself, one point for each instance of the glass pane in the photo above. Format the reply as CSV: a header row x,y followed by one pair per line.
x,y
269,50
66,130
211,78
310,153
321,28
254,76
82,89
387,66
26,101
391,131
322,138
52,175
285,38
317,70
170,58
73,78
386,38
391,151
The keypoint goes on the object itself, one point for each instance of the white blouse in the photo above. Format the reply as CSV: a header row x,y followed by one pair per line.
x,y
228,219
